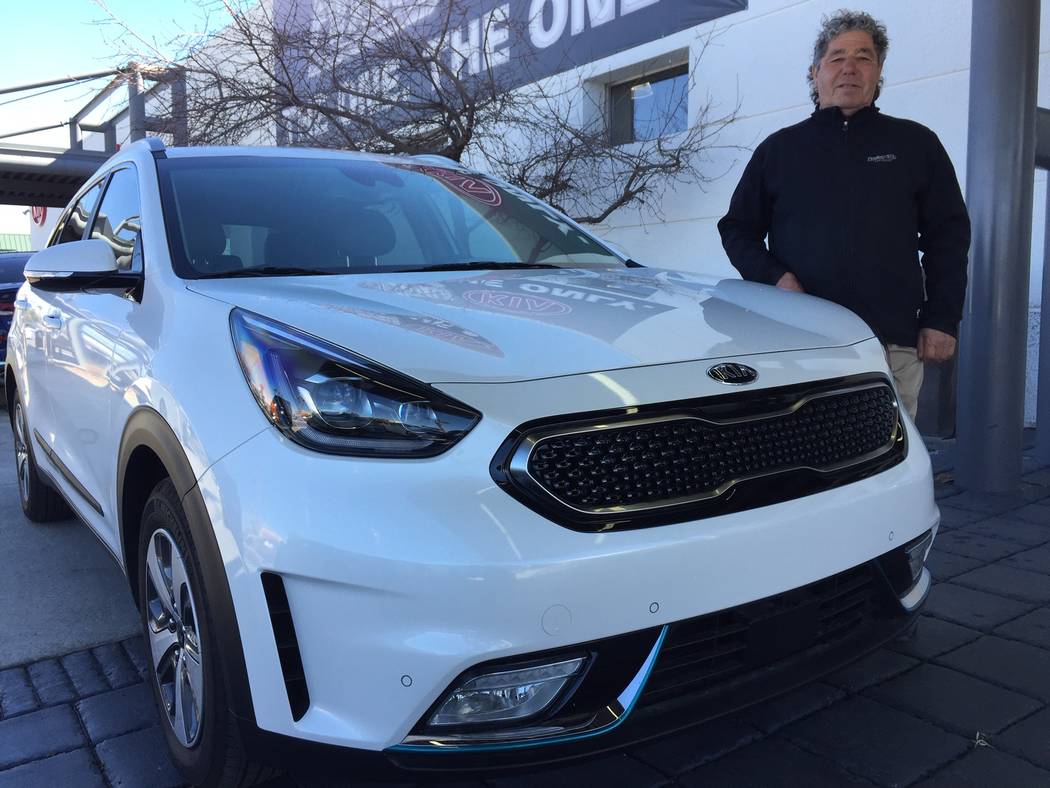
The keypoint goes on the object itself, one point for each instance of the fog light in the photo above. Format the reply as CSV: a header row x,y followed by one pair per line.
x,y
916,551
507,695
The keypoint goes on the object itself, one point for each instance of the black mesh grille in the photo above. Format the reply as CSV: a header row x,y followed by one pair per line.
x,y
702,652
683,458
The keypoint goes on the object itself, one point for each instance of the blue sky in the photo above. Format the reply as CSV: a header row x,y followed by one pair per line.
x,y
52,38
47,39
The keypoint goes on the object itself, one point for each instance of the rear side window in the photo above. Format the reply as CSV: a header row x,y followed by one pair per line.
x,y
118,221
76,221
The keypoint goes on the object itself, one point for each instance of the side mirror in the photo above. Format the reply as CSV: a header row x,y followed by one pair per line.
x,y
77,265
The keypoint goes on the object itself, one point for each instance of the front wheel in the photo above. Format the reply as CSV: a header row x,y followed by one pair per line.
x,y
40,502
186,667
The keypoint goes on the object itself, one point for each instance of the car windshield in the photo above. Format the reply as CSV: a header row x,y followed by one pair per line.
x,y
269,216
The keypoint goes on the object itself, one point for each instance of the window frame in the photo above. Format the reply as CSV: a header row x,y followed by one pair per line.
x,y
621,105
61,226
136,265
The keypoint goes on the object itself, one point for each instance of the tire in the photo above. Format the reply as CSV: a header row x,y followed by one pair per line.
x,y
41,503
185,664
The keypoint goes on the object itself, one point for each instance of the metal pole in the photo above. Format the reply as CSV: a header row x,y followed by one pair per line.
x,y
1042,414
31,131
1000,161
136,104
60,81
179,115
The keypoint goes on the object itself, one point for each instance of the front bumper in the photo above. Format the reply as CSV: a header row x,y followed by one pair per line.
x,y
400,576
860,610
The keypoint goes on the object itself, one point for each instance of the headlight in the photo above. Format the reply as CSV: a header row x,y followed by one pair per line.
x,y
331,400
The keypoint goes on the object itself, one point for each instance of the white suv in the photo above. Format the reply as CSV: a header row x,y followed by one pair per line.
x,y
405,466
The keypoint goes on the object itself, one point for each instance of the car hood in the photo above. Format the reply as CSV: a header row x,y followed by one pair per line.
x,y
501,326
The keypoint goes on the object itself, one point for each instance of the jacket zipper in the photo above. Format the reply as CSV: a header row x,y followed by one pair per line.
x,y
848,283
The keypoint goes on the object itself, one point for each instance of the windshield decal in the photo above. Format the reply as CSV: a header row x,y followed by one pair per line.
x,y
474,188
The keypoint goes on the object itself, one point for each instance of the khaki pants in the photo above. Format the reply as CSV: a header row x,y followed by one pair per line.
x,y
907,372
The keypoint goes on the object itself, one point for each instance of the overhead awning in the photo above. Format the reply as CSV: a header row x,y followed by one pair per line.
x,y
31,175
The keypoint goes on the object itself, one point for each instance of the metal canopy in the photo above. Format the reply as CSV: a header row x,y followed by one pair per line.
x,y
33,175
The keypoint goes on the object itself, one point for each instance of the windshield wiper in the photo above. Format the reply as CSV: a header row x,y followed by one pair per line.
x,y
265,270
470,265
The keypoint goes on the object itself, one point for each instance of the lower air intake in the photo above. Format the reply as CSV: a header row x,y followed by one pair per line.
x,y
287,644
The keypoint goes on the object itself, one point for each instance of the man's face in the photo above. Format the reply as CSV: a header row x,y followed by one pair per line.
x,y
849,72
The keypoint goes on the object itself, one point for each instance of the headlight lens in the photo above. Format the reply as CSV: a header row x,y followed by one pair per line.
x,y
331,400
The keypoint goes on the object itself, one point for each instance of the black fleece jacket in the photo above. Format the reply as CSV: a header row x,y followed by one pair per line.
x,y
848,206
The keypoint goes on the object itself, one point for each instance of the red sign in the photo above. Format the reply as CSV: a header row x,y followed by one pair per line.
x,y
39,213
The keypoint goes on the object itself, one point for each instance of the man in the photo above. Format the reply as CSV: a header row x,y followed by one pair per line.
x,y
849,198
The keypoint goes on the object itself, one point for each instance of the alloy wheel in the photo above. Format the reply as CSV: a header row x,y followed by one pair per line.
x,y
174,637
22,454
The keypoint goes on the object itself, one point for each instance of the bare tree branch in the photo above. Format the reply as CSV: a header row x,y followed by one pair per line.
x,y
416,76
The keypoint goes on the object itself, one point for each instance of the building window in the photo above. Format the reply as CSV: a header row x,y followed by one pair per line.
x,y
650,107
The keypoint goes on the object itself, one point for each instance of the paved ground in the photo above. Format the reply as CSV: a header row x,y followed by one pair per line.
x,y
967,703
61,590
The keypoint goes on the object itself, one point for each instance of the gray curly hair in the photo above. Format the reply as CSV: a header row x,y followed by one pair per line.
x,y
845,21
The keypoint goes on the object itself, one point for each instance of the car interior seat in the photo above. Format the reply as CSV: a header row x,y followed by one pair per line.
x,y
364,236
206,246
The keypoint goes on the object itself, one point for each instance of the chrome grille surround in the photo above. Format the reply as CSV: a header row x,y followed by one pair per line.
x,y
808,424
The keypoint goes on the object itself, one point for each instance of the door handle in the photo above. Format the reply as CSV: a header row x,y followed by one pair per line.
x,y
54,320
21,303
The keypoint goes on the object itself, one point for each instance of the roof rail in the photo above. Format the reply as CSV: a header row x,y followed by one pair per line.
x,y
436,158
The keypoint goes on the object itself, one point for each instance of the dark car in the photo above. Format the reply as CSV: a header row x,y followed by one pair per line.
x,y
12,264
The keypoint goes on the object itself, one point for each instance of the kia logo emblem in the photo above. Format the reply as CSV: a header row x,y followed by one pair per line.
x,y
733,374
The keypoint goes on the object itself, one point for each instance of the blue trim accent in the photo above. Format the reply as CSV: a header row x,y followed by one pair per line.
x,y
644,673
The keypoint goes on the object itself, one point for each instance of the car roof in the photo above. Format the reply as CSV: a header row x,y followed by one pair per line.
x,y
302,153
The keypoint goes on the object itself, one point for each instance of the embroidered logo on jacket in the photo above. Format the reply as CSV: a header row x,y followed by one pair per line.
x,y
882,158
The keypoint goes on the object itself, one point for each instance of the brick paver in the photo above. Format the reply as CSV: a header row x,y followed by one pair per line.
x,y
1032,628
1029,739
965,702
958,702
77,767
986,766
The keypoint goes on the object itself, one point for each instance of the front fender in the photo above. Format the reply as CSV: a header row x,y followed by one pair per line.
x,y
150,450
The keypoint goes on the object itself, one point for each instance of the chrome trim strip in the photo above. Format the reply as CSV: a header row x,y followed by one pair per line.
x,y
518,467
31,275
68,474
917,595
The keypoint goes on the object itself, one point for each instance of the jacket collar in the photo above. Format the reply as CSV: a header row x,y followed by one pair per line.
x,y
833,115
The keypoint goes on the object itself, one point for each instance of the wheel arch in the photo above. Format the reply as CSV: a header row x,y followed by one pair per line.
x,y
149,452
10,384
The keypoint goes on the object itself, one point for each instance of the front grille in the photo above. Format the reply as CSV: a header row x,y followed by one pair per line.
x,y
707,651
677,459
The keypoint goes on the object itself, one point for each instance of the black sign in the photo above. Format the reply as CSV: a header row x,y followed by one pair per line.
x,y
526,40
